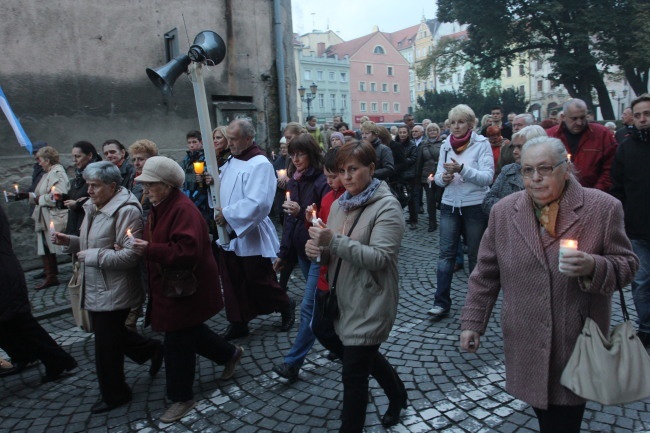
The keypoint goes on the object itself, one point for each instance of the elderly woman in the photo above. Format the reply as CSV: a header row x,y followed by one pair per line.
x,y
111,283
426,165
140,151
510,180
184,288
360,244
465,169
545,299
83,153
336,140
49,214
116,153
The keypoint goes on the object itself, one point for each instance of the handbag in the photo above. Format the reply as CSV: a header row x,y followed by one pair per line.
x,y
331,302
81,316
179,283
612,370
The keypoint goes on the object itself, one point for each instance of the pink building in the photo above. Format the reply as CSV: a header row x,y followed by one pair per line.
x,y
379,78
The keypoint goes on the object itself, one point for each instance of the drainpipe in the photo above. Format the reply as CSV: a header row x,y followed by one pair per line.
x,y
279,50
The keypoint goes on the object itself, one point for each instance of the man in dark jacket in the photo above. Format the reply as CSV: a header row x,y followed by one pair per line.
x,y
632,187
20,334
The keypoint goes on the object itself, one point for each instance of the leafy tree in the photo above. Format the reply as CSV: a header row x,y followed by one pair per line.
x,y
580,39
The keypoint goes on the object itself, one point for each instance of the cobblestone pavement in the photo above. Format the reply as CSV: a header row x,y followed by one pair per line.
x,y
449,391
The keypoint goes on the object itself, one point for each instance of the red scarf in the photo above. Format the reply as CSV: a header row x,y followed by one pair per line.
x,y
460,144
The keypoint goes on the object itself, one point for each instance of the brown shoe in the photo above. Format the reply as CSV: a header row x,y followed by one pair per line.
x,y
229,368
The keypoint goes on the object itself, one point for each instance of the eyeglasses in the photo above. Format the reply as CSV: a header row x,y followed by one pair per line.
x,y
297,155
543,170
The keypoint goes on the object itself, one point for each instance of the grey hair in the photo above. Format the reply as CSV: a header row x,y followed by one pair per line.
x,y
103,171
462,111
575,102
555,145
528,118
530,132
245,126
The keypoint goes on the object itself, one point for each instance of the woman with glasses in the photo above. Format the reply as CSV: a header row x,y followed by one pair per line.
x,y
465,169
546,298
510,180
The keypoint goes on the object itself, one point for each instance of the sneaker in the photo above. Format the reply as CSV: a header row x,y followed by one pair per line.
x,y
288,316
177,411
229,368
287,371
438,311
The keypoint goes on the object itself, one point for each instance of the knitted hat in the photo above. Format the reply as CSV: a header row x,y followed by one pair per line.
x,y
339,135
162,169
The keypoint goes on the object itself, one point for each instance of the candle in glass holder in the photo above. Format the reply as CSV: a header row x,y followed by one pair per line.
x,y
566,245
282,174
199,167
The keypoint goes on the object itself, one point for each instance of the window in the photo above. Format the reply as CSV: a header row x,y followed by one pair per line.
x,y
321,100
390,71
396,108
344,100
522,90
362,86
369,69
344,77
384,87
373,107
331,75
539,64
508,71
395,88
379,50
385,107
540,86
333,100
171,44
522,70
373,87
307,74
362,107
319,75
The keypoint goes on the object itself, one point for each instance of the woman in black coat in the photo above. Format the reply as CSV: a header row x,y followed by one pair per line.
x,y
83,153
20,334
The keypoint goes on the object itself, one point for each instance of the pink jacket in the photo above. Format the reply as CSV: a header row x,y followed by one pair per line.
x,y
543,310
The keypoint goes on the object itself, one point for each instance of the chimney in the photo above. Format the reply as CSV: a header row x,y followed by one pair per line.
x,y
321,48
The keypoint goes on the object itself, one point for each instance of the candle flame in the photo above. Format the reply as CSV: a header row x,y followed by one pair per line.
x,y
569,243
16,187
199,167
128,233
568,156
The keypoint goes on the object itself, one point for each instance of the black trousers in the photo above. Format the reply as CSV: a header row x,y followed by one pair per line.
x,y
560,419
431,195
25,340
359,362
112,342
181,348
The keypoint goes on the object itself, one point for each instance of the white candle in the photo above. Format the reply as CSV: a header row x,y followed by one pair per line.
x,y
288,196
16,187
568,156
566,245
314,222
52,227
430,179
6,198
128,234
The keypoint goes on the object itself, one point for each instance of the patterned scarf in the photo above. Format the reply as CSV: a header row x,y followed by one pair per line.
x,y
460,144
348,202
547,216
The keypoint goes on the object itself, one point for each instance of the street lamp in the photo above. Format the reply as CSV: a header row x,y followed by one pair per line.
x,y
307,98
618,101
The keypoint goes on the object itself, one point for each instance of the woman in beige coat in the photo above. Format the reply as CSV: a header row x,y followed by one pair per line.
x,y
49,213
366,284
545,299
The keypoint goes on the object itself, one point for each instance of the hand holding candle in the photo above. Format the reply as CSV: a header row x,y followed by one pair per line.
x,y
129,234
199,168
575,263
52,227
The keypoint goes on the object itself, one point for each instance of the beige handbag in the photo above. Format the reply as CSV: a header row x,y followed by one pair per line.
x,y
609,371
81,316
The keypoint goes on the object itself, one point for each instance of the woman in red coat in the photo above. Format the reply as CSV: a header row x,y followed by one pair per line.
x,y
176,241
545,298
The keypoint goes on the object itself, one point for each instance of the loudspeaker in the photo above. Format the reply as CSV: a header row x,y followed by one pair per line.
x,y
207,47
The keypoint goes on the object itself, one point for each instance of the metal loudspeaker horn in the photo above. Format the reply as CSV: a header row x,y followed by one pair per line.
x,y
208,47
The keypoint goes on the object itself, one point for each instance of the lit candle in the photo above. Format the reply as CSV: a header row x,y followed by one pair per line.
x,y
199,167
6,198
272,155
128,234
430,179
51,227
282,174
288,196
566,245
16,187
568,156
314,222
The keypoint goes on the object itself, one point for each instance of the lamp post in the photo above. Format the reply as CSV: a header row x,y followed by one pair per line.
x,y
618,101
307,98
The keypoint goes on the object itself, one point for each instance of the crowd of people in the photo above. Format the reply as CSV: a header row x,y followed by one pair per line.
x,y
145,231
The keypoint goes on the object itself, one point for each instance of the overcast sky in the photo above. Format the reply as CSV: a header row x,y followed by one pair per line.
x,y
351,19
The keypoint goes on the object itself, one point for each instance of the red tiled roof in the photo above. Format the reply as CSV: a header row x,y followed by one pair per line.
x,y
348,48
404,38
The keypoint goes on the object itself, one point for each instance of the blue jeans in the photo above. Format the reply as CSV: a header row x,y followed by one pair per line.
x,y
641,284
305,337
472,221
